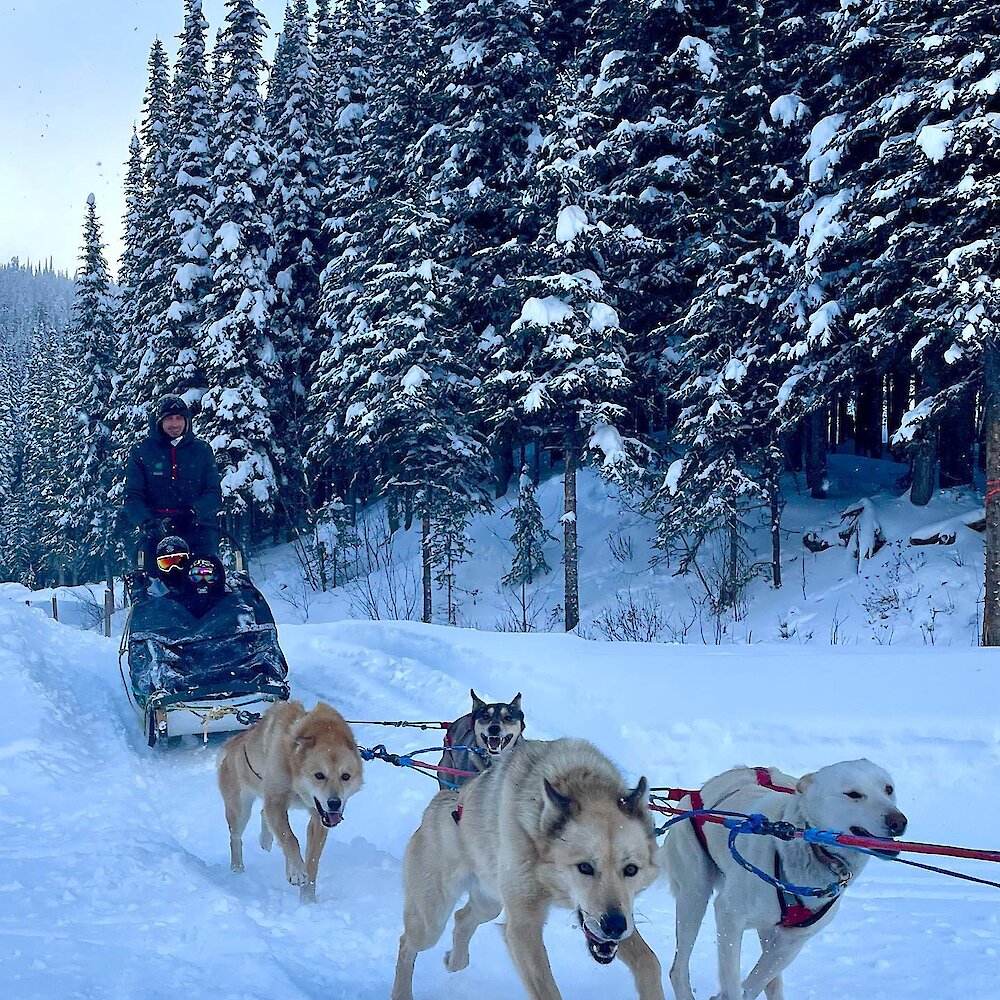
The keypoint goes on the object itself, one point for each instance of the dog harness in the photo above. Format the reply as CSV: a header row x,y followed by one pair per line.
x,y
794,912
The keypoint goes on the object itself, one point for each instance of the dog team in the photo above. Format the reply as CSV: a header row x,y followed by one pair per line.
x,y
540,824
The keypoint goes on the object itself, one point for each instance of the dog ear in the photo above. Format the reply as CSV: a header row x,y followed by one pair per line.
x,y
515,702
562,802
302,741
634,803
804,782
477,702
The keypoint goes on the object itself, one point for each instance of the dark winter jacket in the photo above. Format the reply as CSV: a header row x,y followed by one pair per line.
x,y
167,480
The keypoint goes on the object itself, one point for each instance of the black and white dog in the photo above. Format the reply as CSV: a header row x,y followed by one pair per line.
x,y
492,727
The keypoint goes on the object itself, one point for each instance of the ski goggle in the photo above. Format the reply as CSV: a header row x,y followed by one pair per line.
x,y
172,560
202,572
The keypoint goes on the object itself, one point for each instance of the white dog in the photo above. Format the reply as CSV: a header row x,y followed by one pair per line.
x,y
850,797
553,824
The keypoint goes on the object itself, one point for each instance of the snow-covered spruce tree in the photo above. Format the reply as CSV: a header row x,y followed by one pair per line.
x,y
148,297
923,200
881,227
528,541
406,392
41,498
344,67
295,206
727,359
241,363
563,364
88,518
363,183
11,452
128,399
483,85
629,123
280,71
190,196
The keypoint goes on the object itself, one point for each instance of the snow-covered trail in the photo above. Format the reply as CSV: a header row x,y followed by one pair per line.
x,y
114,877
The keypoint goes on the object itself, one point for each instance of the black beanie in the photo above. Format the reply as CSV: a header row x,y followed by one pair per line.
x,y
170,406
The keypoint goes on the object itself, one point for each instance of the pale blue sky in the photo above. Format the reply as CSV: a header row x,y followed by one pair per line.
x,y
72,78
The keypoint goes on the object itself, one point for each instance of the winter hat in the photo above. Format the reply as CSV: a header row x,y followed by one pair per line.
x,y
172,544
170,406
172,553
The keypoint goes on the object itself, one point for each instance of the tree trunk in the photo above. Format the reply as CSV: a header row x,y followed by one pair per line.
x,y
425,553
991,398
958,433
845,422
925,453
777,503
816,448
570,564
868,430
503,466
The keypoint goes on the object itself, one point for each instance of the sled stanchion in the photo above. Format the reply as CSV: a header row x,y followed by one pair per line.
x,y
55,609
109,609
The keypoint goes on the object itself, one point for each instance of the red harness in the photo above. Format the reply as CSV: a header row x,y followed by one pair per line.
x,y
794,912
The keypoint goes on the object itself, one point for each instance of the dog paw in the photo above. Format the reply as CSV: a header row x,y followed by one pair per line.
x,y
266,841
307,893
237,867
455,963
297,876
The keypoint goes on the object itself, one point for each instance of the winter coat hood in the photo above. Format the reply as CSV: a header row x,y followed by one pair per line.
x,y
167,406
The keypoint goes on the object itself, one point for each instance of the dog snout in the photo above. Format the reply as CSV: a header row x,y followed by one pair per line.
x,y
895,823
494,729
614,924
333,805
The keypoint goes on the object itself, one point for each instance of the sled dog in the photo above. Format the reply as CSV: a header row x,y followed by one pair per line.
x,y
551,825
494,727
292,759
854,796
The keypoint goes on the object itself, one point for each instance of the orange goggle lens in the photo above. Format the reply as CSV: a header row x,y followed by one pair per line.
x,y
175,560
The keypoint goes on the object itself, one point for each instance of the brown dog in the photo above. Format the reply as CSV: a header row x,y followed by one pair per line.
x,y
292,759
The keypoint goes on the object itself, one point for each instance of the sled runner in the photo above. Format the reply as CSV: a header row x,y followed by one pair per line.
x,y
188,675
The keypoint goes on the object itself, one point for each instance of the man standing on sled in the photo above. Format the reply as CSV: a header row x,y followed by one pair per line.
x,y
172,484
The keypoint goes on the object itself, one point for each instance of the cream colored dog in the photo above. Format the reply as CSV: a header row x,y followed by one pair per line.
x,y
292,759
853,796
553,824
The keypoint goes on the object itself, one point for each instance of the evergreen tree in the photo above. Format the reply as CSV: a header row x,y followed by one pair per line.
x,y
88,518
295,207
562,363
190,196
241,363
405,392
37,506
528,540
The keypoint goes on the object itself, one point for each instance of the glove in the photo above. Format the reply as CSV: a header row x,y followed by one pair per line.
x,y
167,526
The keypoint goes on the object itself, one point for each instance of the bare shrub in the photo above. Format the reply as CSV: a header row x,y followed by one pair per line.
x,y
639,620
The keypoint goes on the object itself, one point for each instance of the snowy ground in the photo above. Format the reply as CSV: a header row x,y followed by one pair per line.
x,y
114,876
114,880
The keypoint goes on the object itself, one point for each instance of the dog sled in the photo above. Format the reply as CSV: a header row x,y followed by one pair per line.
x,y
185,675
